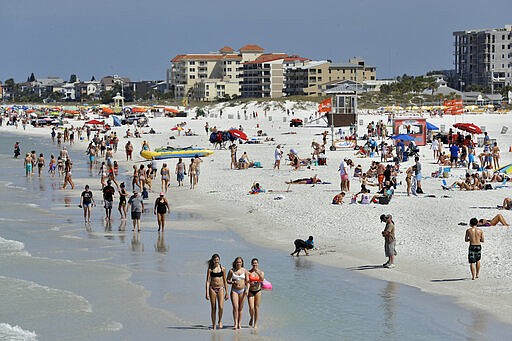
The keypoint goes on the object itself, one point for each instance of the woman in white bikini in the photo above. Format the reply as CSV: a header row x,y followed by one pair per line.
x,y
216,288
238,277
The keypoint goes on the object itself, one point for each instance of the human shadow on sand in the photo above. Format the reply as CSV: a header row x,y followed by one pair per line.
x,y
449,280
365,267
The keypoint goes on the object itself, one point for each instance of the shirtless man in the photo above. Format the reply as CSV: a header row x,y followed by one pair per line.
x,y
475,237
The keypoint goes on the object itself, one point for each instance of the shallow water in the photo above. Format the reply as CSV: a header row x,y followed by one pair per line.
x,y
63,280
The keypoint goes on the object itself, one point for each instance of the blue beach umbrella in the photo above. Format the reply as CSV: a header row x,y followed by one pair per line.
x,y
430,126
404,137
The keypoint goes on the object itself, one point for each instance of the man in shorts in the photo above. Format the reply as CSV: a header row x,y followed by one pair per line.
x,y
136,206
87,201
475,237
108,198
454,154
389,240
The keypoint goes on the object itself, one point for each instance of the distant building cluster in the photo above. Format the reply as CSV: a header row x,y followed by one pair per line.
x,y
252,73
484,57
55,89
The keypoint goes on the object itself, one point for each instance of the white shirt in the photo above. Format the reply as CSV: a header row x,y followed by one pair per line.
x,y
278,154
343,167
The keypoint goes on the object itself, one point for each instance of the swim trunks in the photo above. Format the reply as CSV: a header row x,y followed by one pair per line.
x,y
474,253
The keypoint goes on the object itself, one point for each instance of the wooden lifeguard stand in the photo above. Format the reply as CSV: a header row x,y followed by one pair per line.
x,y
344,104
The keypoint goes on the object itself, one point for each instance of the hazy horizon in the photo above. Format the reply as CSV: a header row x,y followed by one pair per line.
x,y
138,40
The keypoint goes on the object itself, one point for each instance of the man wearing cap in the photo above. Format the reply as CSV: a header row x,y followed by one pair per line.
x,y
136,206
108,198
389,240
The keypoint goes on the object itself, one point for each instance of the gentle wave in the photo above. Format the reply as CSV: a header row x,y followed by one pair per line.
x,y
11,185
16,333
10,247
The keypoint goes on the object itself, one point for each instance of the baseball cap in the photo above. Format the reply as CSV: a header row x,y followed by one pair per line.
x,y
162,194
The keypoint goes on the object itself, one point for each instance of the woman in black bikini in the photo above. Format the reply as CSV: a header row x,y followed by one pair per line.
x,y
256,276
216,288
161,208
122,201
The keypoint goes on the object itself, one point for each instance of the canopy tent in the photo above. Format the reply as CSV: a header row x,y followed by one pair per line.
x,y
468,127
404,137
430,126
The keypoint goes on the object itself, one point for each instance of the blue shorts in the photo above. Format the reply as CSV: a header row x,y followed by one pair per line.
x,y
418,176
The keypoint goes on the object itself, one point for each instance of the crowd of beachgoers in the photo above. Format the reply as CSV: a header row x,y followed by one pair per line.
x,y
286,181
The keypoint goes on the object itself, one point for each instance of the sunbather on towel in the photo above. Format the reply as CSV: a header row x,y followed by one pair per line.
x,y
305,181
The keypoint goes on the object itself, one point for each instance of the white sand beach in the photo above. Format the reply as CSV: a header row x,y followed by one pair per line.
x,y
432,254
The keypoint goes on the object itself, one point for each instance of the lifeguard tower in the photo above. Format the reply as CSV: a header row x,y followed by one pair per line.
x,y
344,104
118,103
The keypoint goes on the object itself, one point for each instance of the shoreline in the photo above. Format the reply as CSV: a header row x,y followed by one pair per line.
x,y
493,294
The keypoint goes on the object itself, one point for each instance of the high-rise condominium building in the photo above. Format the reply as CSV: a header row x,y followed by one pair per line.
x,y
484,57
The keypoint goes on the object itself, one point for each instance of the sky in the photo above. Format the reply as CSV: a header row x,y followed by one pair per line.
x,y
137,39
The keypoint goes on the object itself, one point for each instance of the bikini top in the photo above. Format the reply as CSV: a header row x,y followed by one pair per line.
x,y
216,274
236,277
253,277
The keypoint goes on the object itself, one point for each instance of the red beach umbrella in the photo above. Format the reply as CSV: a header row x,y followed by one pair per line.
x,y
468,127
238,133
95,122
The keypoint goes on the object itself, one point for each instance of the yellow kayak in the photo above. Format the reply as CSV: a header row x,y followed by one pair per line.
x,y
170,153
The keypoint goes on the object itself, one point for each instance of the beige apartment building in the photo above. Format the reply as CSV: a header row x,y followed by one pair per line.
x,y
211,75
310,77
249,72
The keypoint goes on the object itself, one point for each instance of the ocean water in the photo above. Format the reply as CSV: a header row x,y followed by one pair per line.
x,y
63,280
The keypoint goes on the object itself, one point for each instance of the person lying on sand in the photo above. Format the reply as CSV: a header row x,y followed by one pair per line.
x,y
305,181
493,222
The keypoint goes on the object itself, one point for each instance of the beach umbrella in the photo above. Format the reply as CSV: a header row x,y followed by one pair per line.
x,y
506,170
95,122
404,137
238,134
430,126
468,127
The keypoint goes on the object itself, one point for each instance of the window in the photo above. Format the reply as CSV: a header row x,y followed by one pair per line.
x,y
229,62
192,69
229,69
319,71
192,62
192,77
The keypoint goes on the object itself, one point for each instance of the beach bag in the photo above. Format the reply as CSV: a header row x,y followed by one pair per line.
x,y
266,285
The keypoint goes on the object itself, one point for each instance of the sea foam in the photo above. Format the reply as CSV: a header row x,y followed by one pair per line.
x,y
16,333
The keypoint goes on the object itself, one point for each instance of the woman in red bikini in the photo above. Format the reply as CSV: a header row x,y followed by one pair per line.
x,y
256,276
